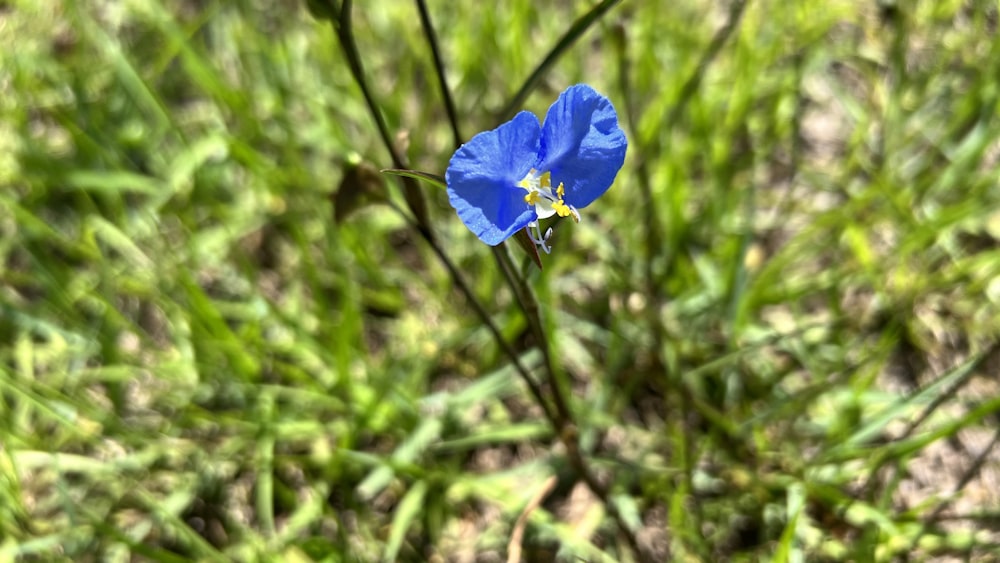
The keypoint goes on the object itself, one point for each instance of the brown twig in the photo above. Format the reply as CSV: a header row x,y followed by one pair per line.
x,y
517,535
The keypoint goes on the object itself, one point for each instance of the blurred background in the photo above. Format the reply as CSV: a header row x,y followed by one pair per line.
x,y
221,340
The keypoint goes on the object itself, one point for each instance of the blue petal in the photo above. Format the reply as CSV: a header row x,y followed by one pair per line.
x,y
483,174
582,145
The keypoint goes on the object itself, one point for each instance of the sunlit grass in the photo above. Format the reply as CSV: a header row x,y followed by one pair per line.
x,y
779,326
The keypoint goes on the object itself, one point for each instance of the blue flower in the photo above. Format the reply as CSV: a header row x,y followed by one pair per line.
x,y
506,179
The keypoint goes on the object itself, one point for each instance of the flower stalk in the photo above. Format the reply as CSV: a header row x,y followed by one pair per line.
x,y
593,129
417,206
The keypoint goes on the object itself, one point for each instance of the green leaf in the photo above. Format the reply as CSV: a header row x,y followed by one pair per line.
x,y
422,438
433,179
409,509
114,181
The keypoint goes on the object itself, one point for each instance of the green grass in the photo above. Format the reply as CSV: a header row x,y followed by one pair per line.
x,y
779,328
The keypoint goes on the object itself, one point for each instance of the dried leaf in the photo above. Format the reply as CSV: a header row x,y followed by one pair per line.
x,y
361,186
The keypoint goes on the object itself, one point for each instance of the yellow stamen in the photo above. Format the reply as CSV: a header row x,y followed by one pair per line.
x,y
562,209
561,190
531,198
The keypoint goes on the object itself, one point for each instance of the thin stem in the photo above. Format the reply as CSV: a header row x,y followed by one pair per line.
x,y
518,285
690,86
459,279
567,428
565,42
651,219
563,420
449,104
346,37
529,305
411,190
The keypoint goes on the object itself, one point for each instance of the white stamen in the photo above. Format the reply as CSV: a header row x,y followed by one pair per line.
x,y
537,238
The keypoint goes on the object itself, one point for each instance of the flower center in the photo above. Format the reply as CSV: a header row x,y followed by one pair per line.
x,y
547,202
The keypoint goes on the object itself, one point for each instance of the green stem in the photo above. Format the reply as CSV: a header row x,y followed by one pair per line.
x,y
563,421
561,418
581,25
463,285
411,190
566,426
529,305
654,233
449,104
342,26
